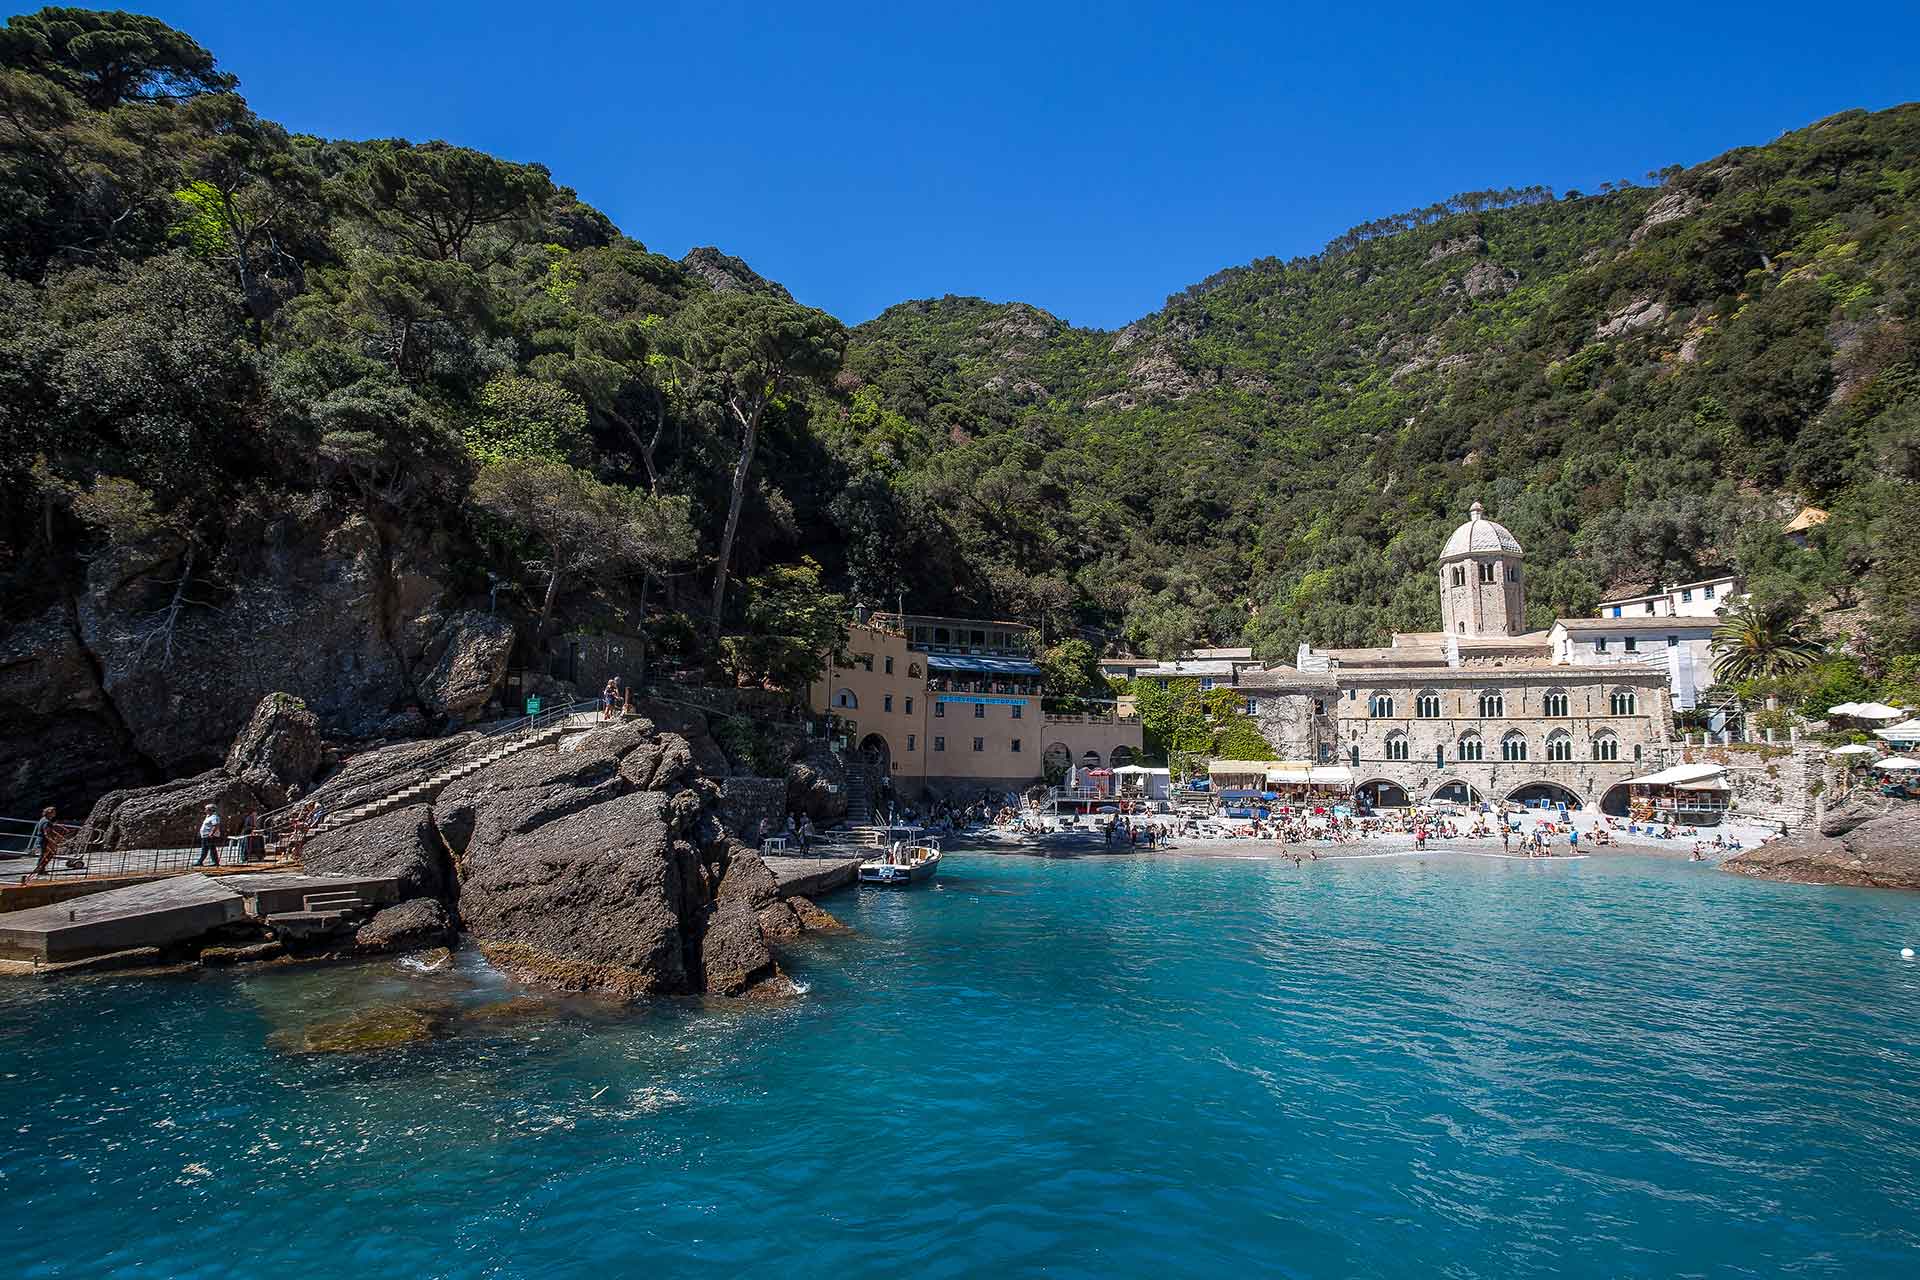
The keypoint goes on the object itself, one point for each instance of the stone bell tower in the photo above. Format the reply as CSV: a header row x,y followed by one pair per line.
x,y
1482,587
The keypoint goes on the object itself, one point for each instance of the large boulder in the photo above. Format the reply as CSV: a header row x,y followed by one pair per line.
x,y
403,844
407,926
734,955
279,749
167,816
1872,842
474,648
605,897
817,787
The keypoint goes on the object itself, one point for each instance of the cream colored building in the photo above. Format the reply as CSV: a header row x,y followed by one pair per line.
x,y
953,706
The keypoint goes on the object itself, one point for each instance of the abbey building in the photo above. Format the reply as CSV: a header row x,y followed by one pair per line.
x,y
1482,709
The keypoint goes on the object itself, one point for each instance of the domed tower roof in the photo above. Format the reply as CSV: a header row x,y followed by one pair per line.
x,y
1481,536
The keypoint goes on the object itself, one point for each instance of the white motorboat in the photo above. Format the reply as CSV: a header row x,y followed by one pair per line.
x,y
904,862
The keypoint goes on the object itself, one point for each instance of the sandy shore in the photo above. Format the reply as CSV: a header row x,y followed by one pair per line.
x,y
1084,843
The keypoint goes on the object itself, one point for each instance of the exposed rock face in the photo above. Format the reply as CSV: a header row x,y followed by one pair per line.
x,y
348,618
1641,313
167,816
1488,279
1872,842
724,273
1668,208
407,926
404,844
1459,244
61,739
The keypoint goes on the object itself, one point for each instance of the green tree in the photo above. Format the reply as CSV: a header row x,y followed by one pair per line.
x,y
522,418
1754,641
794,625
435,198
583,526
739,354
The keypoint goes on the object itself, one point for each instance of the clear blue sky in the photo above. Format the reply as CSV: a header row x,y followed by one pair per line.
x,y
1088,159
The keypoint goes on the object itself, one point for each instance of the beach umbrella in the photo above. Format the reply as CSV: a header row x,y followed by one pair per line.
x,y
1897,764
1853,749
1844,709
1073,777
1876,711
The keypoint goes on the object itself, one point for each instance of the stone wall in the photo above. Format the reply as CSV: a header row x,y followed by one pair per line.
x,y
746,802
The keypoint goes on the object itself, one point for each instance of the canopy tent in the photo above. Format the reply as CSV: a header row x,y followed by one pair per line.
x,y
1136,771
1240,768
1705,784
1897,764
1335,775
982,666
1854,748
1679,775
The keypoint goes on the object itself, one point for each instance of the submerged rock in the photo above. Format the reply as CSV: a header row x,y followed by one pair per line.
x,y
368,1031
814,918
1872,842
410,926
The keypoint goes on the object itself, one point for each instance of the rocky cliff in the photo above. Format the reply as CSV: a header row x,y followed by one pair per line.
x,y
1872,842
605,869
114,688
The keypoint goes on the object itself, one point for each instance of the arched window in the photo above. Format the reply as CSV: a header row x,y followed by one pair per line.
x,y
1559,745
845,698
1555,703
1606,747
1513,747
1396,746
1471,747
1622,702
1493,705
1459,575
1427,705
1380,706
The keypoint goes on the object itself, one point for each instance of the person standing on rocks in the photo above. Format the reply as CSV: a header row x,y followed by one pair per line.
x,y
209,837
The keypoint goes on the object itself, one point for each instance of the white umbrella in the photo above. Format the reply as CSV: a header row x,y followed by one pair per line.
x,y
1073,777
1844,709
1897,763
1908,732
1853,750
1876,711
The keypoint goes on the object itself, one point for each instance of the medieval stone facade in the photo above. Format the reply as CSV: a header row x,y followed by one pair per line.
x,y
1482,710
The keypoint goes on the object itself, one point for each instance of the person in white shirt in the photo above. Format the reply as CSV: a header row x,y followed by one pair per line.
x,y
209,837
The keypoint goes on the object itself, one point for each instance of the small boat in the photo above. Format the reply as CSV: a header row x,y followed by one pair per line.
x,y
903,863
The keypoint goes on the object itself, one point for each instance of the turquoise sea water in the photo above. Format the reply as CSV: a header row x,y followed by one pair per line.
x,y
1444,1066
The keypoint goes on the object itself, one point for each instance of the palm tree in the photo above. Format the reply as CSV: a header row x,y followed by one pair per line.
x,y
1758,642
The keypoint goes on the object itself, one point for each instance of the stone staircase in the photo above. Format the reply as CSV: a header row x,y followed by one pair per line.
x,y
430,778
320,913
859,796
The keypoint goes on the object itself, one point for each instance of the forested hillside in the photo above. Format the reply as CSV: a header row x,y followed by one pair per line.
x,y
370,419
1642,383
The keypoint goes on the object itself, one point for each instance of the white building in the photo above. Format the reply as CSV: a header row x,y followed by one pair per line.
x,y
1702,599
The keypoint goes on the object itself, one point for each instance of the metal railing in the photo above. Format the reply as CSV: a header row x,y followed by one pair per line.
x,y
295,819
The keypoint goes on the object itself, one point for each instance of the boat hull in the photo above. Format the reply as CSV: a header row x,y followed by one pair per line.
x,y
892,874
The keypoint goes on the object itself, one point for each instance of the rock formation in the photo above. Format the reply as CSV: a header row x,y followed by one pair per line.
x,y
1872,842
278,750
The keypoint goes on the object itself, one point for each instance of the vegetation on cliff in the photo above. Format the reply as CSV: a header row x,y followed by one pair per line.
x,y
210,327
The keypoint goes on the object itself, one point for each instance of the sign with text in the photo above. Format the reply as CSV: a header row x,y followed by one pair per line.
x,y
987,701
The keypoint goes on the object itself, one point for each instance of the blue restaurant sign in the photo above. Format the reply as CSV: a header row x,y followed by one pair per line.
x,y
991,702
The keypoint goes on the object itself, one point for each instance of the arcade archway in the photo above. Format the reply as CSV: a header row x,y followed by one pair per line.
x,y
1533,793
1617,801
874,750
1455,791
1379,793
